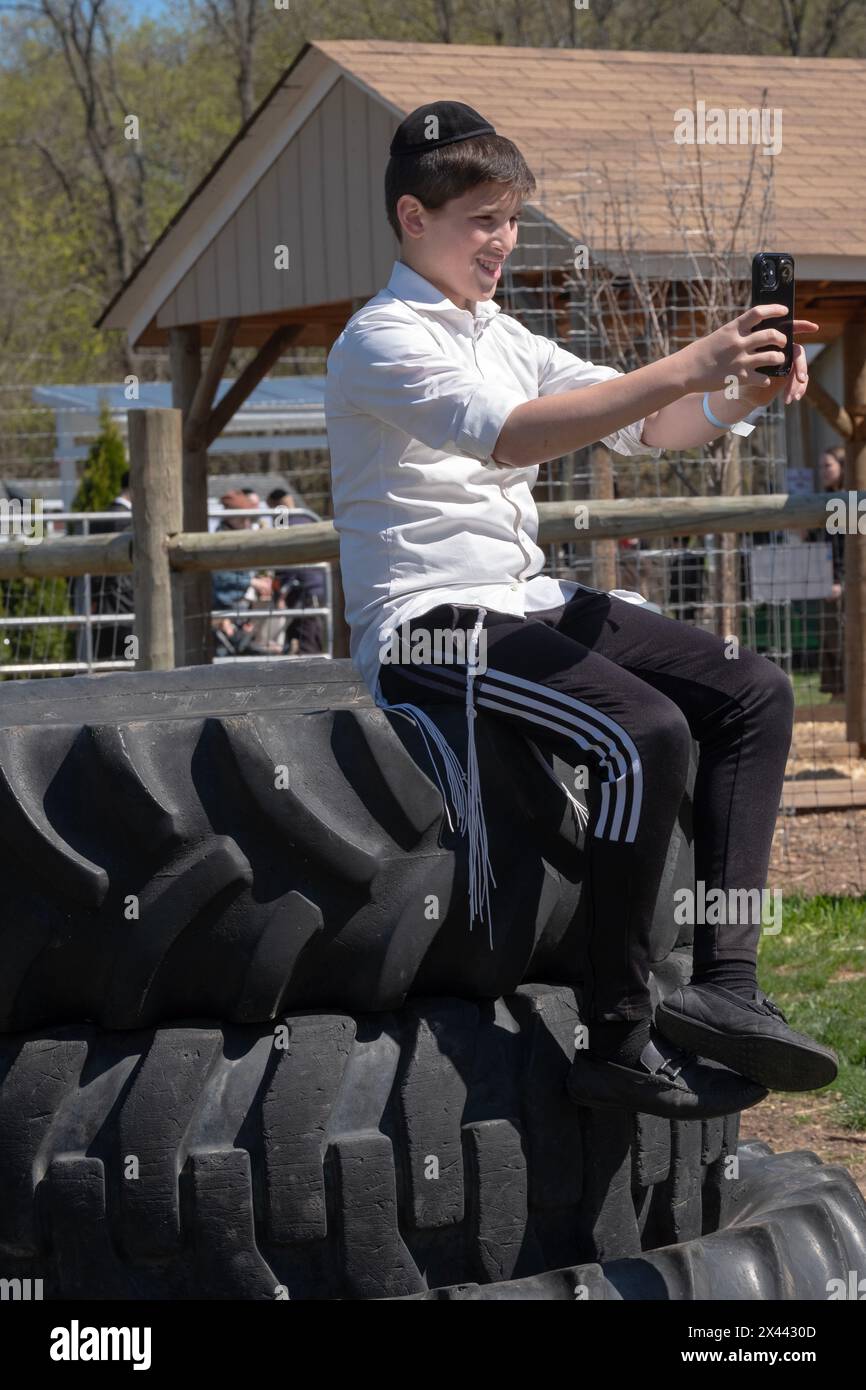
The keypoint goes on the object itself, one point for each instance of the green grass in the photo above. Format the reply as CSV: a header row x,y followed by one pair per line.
x,y
815,969
806,689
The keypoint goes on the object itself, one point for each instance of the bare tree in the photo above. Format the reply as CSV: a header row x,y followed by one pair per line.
x,y
444,11
84,38
800,27
636,306
238,22
82,33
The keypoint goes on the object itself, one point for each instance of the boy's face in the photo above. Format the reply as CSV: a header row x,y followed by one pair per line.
x,y
461,247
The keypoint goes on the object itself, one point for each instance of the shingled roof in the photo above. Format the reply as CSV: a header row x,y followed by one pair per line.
x,y
559,105
307,169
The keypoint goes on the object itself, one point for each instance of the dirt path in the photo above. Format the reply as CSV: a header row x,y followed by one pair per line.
x,y
817,852
787,1122
820,852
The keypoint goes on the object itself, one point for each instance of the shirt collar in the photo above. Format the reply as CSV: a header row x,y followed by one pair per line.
x,y
416,291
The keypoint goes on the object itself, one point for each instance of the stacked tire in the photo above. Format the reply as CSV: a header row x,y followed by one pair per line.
x,y
251,1048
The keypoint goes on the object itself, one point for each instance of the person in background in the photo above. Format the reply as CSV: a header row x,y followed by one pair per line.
x,y
832,467
112,593
230,587
300,588
831,639
255,501
261,585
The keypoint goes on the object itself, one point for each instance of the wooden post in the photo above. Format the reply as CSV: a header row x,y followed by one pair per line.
x,y
729,559
196,630
601,489
341,630
854,368
155,450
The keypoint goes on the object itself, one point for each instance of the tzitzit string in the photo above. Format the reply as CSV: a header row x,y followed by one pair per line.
x,y
464,789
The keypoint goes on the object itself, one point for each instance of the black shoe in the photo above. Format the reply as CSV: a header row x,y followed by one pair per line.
x,y
750,1035
669,1082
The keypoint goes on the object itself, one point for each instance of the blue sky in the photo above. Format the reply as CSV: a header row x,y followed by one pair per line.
x,y
140,9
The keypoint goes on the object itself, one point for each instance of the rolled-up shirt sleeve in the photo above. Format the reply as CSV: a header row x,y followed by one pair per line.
x,y
559,370
403,378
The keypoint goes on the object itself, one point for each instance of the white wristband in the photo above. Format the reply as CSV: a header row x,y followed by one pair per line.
x,y
741,427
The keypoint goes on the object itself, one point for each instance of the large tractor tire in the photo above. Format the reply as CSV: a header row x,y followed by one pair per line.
x,y
431,1152
797,1227
260,858
333,1156
225,843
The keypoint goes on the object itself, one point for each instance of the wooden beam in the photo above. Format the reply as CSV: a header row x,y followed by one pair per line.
x,y
601,489
262,549
185,358
682,516
854,588
100,554
319,540
202,402
834,794
317,323
249,379
836,415
341,631
831,713
155,450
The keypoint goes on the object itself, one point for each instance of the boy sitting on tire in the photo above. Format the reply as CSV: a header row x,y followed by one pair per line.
x,y
440,409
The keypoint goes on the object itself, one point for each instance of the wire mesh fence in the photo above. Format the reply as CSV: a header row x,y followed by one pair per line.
x,y
607,295
66,625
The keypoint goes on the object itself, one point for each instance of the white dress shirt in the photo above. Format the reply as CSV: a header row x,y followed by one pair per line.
x,y
416,395
417,392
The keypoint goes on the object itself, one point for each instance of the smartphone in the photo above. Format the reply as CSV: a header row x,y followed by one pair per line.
x,y
773,283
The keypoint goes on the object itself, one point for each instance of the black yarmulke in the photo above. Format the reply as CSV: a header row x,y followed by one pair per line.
x,y
438,123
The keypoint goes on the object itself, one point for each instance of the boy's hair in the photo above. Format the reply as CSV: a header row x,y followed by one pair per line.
x,y
449,171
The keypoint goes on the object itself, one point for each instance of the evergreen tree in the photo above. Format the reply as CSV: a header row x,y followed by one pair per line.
x,y
99,485
101,481
103,469
36,598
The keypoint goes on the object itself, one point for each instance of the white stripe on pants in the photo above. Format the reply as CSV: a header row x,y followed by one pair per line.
x,y
571,718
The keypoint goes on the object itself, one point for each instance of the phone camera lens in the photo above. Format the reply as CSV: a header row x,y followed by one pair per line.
x,y
785,272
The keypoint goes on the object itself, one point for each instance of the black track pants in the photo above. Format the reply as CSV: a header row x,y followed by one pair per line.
x,y
620,689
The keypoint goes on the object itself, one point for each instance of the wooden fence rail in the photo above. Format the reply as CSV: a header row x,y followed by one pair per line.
x,y
305,543
164,558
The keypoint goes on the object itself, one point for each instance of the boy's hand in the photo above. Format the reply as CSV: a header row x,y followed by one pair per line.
x,y
739,347
766,388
